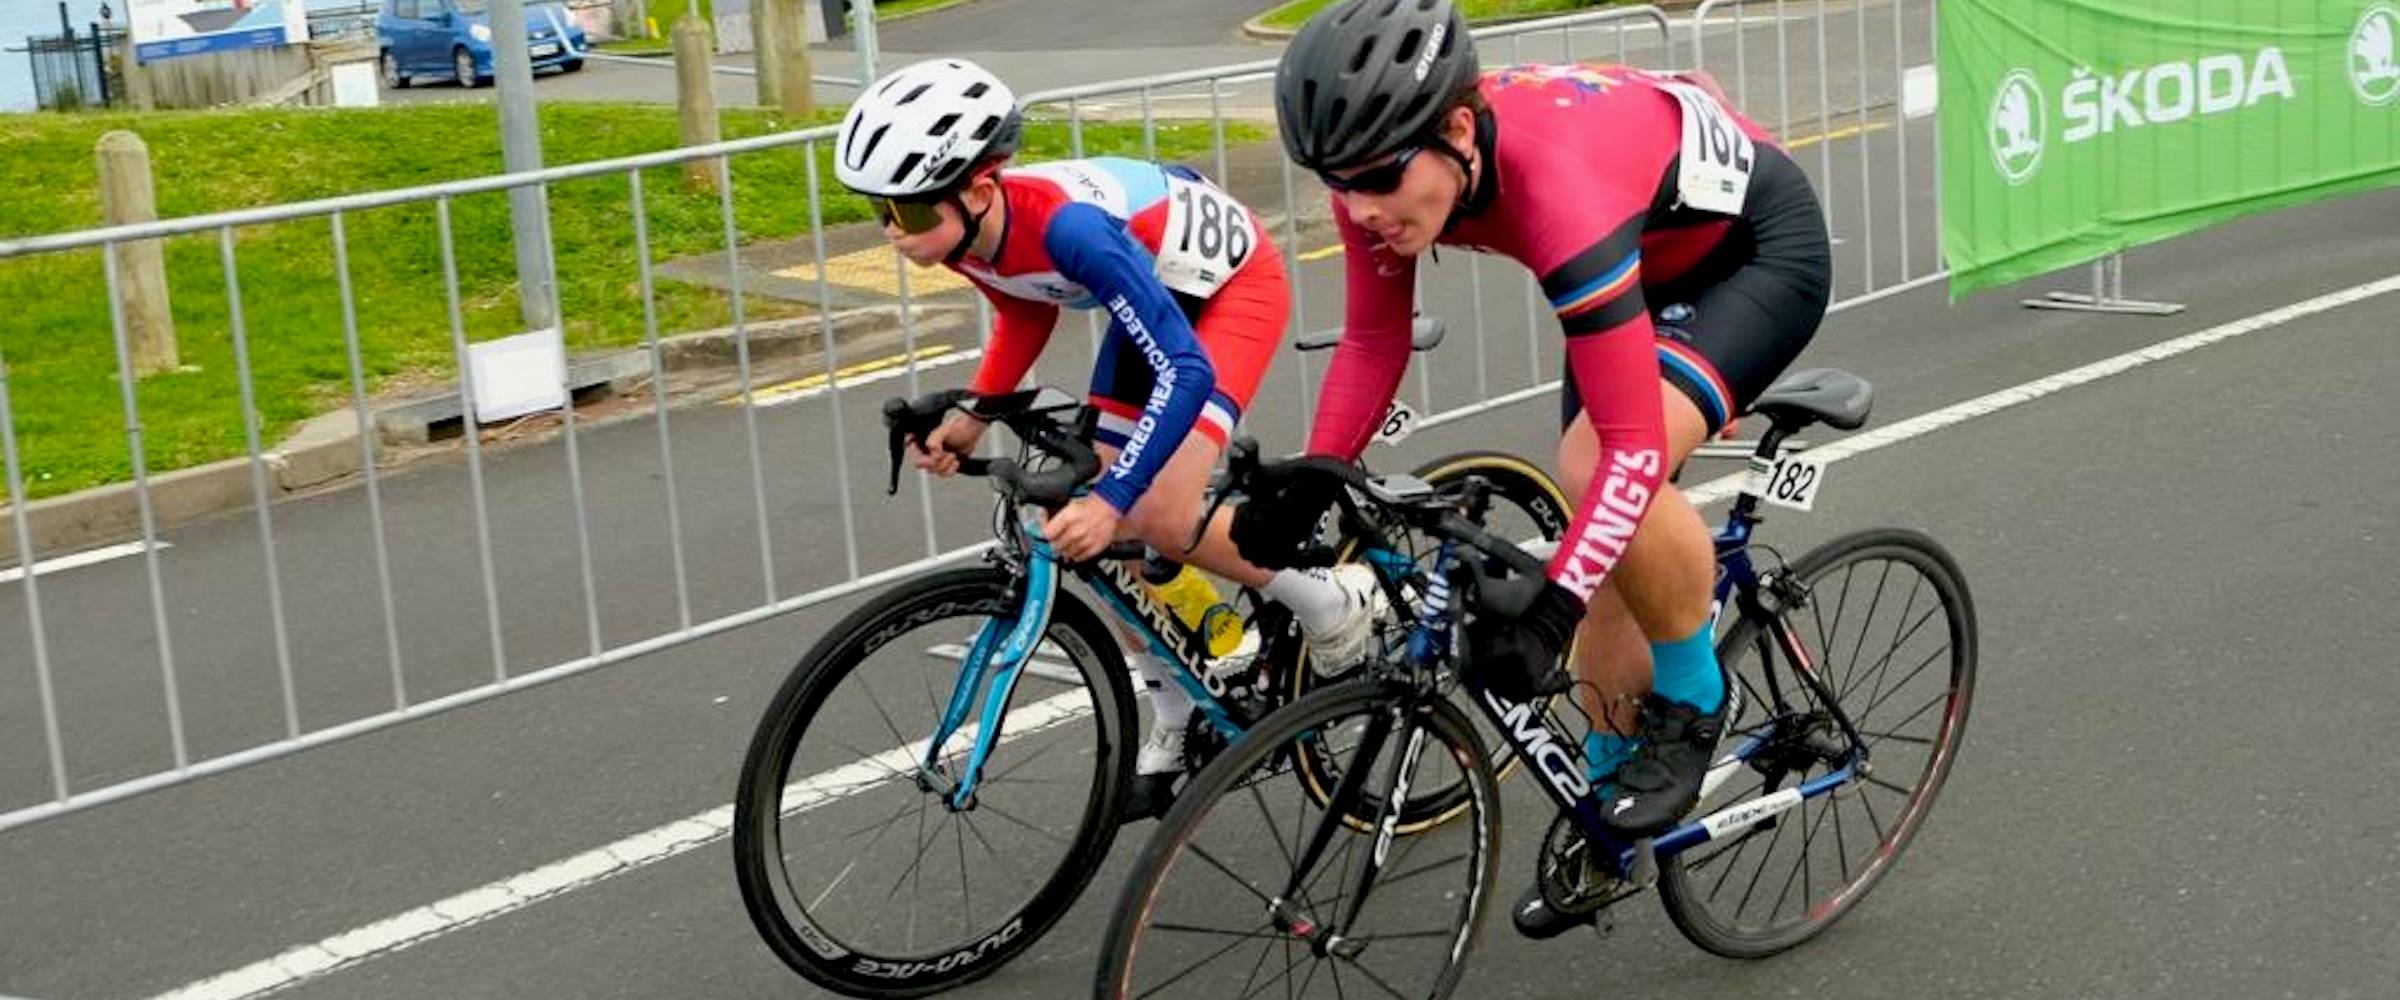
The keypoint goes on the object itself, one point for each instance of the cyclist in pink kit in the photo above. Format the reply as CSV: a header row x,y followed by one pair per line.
x,y
1687,261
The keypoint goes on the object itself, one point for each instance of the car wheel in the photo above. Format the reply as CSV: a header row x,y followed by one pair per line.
x,y
393,79
570,65
462,64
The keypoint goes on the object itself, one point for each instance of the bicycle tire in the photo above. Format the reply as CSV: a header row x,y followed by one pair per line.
x,y
1082,729
1515,483
1221,821
1702,888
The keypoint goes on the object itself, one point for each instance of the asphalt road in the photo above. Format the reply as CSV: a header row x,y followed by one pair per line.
x,y
2178,569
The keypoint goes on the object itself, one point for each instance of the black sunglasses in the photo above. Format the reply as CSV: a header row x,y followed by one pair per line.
x,y
1383,179
913,216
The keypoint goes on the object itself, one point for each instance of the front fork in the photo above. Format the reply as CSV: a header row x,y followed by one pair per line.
x,y
1002,648
1285,910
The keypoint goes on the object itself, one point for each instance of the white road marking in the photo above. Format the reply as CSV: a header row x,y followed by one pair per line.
x,y
505,896
1724,487
85,558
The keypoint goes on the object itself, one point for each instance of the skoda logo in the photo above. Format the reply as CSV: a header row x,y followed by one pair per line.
x,y
2375,55
2016,126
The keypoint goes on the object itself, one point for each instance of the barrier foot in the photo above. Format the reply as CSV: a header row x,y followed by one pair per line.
x,y
2107,294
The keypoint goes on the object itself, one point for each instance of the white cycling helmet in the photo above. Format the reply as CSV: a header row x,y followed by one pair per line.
x,y
918,130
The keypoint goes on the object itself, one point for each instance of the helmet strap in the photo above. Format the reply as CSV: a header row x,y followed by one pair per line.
x,y
972,222
1476,190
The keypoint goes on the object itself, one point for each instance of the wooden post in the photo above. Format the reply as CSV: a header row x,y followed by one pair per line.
x,y
797,95
139,94
126,195
695,98
766,52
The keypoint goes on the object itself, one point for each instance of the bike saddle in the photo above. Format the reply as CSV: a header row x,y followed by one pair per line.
x,y
1831,395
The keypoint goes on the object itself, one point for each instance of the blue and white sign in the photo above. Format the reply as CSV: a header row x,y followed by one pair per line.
x,y
165,29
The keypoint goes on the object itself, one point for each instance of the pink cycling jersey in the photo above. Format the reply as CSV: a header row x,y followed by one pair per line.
x,y
1578,160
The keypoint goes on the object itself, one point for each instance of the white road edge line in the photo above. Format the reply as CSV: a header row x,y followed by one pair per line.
x,y
649,847
1725,487
80,559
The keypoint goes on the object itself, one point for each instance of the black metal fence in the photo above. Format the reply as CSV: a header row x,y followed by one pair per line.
x,y
74,69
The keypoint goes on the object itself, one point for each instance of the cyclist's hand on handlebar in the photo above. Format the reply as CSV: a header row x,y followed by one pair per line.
x,y
939,452
1518,653
1082,529
1276,527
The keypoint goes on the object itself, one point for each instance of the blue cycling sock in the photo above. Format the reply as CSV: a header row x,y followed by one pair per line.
x,y
1686,670
1604,752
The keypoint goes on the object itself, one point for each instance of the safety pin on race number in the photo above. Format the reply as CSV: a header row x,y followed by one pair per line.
x,y
1399,421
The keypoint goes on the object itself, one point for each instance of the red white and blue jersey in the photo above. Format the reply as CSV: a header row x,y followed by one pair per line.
x,y
1142,242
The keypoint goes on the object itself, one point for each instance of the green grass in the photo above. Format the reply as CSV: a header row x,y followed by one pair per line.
x,y
56,334
1292,15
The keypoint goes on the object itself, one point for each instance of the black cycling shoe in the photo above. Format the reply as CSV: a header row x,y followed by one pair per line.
x,y
1535,919
1662,781
1147,796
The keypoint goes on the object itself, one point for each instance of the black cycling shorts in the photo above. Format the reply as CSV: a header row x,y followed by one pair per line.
x,y
1746,310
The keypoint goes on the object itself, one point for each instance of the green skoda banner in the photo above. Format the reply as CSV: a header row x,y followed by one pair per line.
x,y
2074,128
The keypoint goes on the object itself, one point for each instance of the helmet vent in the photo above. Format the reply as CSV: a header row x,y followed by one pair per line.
x,y
866,153
943,125
990,125
908,165
1375,108
978,89
911,96
1364,52
1407,52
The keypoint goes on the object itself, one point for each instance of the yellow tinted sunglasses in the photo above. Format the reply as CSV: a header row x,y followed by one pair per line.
x,y
913,217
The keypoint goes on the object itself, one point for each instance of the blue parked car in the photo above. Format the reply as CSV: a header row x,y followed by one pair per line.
x,y
453,38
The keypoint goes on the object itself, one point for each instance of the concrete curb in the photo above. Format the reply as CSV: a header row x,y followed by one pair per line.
x,y
326,449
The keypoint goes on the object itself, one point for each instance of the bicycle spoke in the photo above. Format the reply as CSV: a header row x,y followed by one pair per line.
x,y
1282,977
1752,889
1865,627
1378,981
889,824
1230,876
1940,654
1252,978
1264,932
1020,823
1875,736
1404,876
1847,691
884,825
1022,761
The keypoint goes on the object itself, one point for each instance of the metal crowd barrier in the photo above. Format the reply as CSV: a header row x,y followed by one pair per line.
x,y
753,510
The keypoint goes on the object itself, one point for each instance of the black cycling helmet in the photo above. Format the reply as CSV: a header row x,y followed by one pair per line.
x,y
1365,77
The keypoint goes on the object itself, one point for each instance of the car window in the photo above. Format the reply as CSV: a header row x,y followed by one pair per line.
x,y
470,6
405,9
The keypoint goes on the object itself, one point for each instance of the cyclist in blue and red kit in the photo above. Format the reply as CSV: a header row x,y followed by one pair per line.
x,y
1687,261
1196,301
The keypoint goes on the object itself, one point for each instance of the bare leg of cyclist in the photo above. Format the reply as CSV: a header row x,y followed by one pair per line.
x,y
1659,592
1163,518
1660,589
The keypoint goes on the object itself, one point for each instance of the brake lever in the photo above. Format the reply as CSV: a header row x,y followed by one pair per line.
x,y
896,412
